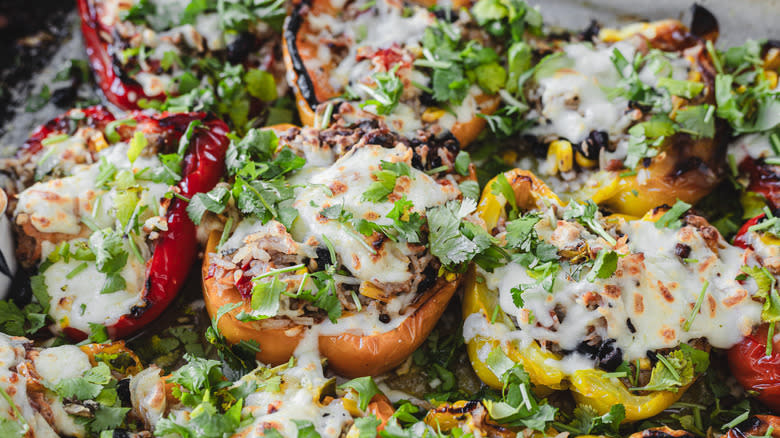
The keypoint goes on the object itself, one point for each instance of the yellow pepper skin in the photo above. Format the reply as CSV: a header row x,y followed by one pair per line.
x,y
592,388
659,183
588,386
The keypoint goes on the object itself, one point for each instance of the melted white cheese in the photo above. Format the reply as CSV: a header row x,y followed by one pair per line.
x,y
76,302
57,205
574,99
346,181
50,363
12,355
652,287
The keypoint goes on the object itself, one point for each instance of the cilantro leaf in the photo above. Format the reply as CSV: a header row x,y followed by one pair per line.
x,y
108,247
470,189
462,162
367,426
672,371
265,297
366,389
198,377
671,219
686,89
502,187
406,223
384,185
645,139
520,233
586,215
214,201
588,422
387,93
767,290
107,417
604,265
447,242
698,120
306,429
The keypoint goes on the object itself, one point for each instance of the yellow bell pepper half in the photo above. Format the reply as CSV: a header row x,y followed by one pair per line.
x,y
588,386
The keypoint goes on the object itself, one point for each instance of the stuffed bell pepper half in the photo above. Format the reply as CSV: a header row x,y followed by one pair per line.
x,y
350,240
109,237
616,310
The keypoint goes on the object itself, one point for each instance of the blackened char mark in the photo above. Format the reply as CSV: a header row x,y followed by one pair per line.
x,y
746,428
769,45
120,73
703,23
429,278
687,165
660,433
290,35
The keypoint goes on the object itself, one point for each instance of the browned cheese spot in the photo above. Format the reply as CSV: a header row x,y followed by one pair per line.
x,y
337,187
612,291
736,298
665,292
667,333
639,304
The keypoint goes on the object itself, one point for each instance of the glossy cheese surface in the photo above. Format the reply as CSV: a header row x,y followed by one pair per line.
x,y
645,305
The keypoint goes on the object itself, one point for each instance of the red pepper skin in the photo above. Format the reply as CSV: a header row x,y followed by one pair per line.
x,y
740,239
176,249
756,371
764,179
119,88
95,116
749,364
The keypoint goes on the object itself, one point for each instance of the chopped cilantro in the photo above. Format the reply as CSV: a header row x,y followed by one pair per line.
x,y
604,265
366,389
586,214
671,219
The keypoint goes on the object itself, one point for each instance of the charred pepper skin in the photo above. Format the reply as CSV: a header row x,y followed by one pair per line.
x,y
176,249
95,116
119,88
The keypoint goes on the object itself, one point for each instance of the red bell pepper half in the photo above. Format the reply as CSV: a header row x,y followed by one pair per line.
x,y
176,249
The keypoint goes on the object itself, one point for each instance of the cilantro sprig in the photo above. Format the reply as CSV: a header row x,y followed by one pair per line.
x,y
587,215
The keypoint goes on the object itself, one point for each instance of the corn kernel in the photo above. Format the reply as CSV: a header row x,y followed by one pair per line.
x,y
584,162
98,142
610,35
560,156
432,114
